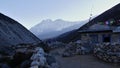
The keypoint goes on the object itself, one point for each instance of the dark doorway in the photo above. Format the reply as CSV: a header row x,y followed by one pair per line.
x,y
106,38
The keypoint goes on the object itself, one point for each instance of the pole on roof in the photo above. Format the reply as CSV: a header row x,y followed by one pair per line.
x,y
90,17
91,12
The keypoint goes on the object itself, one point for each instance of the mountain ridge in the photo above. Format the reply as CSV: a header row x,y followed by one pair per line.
x,y
49,29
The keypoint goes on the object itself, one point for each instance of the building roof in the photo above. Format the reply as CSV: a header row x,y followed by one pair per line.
x,y
117,30
99,27
94,31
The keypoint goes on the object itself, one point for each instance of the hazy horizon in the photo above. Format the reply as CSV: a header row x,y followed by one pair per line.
x,y
32,12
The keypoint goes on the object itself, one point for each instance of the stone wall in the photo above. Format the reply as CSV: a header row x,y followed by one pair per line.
x,y
86,38
115,38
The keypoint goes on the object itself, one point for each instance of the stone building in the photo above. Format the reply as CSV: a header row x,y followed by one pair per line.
x,y
103,28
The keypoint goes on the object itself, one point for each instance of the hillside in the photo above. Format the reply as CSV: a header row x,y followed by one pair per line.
x,y
12,32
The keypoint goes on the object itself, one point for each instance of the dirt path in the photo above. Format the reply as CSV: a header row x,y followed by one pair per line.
x,y
86,61
82,61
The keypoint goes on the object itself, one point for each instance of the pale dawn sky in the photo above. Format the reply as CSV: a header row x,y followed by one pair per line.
x,y
32,12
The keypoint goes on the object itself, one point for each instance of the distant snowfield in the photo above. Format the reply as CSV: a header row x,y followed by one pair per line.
x,y
49,29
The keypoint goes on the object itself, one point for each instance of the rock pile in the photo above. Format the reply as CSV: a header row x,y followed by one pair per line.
x,y
42,60
38,59
108,52
56,44
74,48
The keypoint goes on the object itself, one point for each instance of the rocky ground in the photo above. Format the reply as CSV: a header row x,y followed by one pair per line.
x,y
26,56
33,56
80,61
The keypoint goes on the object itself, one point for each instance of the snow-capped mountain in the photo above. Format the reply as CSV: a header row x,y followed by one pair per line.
x,y
49,29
